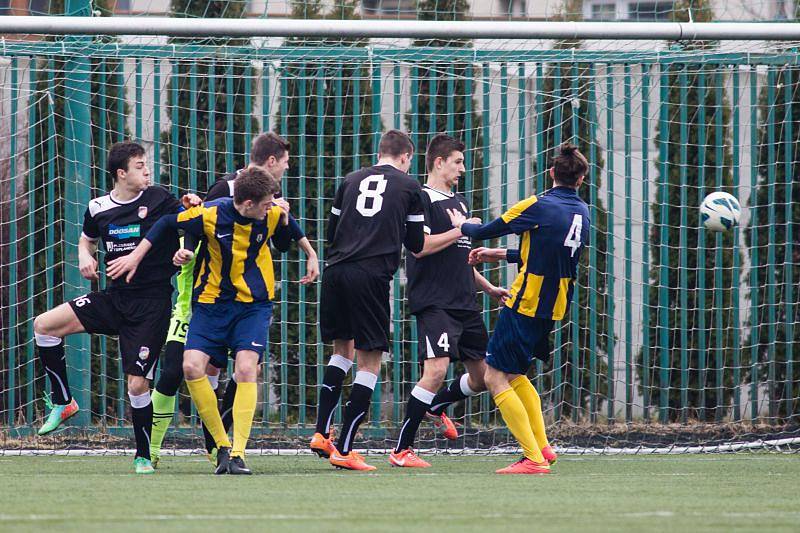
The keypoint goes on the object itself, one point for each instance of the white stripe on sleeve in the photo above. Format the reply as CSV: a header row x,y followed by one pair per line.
x,y
415,218
336,211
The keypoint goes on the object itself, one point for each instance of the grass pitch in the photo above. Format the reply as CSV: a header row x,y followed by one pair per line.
x,y
753,492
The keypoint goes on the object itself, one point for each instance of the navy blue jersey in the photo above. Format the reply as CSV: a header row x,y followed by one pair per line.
x,y
553,230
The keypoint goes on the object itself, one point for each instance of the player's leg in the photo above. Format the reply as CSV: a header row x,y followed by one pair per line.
x,y
244,407
49,329
533,406
142,333
507,359
434,371
356,410
168,383
249,335
213,374
472,351
335,326
530,397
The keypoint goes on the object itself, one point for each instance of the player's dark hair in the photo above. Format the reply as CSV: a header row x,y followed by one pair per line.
x,y
395,143
266,145
254,184
569,165
442,145
120,154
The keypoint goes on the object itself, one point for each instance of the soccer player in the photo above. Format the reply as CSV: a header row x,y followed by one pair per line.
x,y
270,153
232,300
553,230
375,212
138,311
442,295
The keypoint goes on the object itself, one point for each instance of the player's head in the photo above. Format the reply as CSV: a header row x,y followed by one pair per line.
x,y
444,158
396,146
127,164
254,192
270,152
569,167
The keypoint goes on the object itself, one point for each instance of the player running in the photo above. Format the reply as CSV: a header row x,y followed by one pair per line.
x,y
375,212
553,230
270,153
232,306
136,310
442,295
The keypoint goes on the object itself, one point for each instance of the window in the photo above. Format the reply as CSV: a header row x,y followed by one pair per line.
x,y
651,11
389,7
603,12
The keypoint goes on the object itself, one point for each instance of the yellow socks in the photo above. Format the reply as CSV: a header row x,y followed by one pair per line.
x,y
533,405
206,402
516,419
244,407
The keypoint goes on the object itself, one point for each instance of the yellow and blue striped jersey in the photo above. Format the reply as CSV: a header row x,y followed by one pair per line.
x,y
553,230
237,262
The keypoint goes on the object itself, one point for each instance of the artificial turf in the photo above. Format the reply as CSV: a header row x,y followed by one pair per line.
x,y
746,492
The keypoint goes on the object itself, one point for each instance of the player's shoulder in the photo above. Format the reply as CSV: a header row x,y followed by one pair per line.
x,y
158,192
222,187
219,202
101,204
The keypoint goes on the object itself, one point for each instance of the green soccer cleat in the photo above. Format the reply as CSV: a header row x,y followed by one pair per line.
x,y
143,466
58,414
212,456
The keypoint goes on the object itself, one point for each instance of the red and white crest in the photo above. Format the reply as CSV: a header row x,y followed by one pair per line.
x,y
142,211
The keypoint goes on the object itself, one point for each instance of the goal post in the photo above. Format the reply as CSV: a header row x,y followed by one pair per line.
x,y
678,338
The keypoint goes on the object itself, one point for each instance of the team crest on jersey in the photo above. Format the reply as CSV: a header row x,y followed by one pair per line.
x,y
259,237
144,353
142,211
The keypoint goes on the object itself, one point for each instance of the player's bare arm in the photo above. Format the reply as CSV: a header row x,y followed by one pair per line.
x,y
312,262
487,255
87,262
500,294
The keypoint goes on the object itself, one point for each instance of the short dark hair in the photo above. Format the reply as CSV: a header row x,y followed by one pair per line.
x,y
442,145
120,154
395,143
569,165
266,145
253,184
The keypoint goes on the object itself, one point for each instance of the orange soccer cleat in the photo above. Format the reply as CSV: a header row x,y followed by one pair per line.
x,y
549,455
525,466
445,425
322,446
351,461
407,459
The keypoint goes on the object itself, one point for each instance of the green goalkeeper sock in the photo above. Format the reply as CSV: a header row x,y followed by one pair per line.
x,y
163,409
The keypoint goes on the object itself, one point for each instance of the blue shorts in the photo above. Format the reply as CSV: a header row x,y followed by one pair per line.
x,y
216,328
516,340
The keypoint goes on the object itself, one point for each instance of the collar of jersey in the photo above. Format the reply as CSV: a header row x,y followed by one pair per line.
x,y
434,189
563,188
120,202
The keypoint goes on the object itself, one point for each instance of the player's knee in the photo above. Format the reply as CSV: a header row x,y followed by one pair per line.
x,y
193,369
138,385
42,325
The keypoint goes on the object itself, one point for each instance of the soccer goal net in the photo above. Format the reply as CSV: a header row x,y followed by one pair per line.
x,y
678,339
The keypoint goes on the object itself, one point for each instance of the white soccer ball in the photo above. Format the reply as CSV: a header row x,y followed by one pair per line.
x,y
720,211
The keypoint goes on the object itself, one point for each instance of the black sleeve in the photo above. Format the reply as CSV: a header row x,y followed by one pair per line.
x,y
333,218
414,240
90,229
512,256
190,241
220,189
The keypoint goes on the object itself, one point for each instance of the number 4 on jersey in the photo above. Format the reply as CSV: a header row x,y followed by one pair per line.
x,y
573,239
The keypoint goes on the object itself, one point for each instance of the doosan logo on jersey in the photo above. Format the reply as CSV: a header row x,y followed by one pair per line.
x,y
133,230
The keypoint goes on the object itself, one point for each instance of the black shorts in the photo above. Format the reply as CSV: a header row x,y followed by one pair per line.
x,y
457,334
140,323
354,304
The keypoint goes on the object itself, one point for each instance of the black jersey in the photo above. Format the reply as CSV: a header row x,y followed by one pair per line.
x,y
443,280
123,225
369,216
223,188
